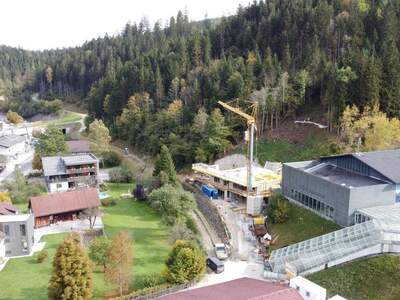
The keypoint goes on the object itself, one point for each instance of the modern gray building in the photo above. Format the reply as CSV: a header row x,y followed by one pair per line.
x,y
18,234
335,187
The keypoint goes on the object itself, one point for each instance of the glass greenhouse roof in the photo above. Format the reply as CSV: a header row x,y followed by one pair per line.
x,y
324,249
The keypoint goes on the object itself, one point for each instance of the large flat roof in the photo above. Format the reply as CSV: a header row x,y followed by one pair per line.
x,y
341,176
382,212
260,175
8,141
14,218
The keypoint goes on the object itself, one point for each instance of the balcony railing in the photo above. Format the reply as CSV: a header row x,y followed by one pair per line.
x,y
81,170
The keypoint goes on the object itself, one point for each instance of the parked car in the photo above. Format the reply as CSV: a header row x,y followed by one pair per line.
x,y
215,264
221,251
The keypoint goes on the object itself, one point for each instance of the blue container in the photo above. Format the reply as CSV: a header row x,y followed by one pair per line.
x,y
210,192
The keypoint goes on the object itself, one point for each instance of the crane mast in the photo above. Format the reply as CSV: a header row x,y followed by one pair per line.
x,y
251,123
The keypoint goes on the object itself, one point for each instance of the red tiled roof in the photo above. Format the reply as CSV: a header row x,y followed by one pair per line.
x,y
7,209
239,289
57,203
78,146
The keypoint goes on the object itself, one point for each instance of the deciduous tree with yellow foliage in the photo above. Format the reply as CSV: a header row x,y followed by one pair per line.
x,y
369,130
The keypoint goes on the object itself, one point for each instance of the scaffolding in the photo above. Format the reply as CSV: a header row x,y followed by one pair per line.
x,y
364,239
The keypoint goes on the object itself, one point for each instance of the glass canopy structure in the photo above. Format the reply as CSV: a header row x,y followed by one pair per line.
x,y
337,247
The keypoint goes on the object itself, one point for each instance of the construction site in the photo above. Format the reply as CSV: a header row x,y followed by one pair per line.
x,y
235,191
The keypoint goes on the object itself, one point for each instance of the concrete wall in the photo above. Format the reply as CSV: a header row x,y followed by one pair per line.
x,y
15,243
53,187
318,188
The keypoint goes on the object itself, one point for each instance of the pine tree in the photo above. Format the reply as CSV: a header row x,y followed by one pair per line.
x,y
118,268
165,164
71,277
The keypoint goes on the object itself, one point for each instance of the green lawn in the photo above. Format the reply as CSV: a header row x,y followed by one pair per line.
x,y
23,207
63,118
371,278
150,236
23,278
301,225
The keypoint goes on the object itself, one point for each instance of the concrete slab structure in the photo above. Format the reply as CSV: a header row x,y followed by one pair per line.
x,y
232,183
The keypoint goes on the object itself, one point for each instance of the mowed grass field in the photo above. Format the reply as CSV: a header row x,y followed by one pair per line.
x,y
371,278
24,278
301,225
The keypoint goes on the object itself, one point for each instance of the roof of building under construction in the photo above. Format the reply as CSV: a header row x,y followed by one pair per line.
x,y
260,175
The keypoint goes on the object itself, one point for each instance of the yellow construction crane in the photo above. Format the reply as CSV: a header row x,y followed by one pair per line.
x,y
251,124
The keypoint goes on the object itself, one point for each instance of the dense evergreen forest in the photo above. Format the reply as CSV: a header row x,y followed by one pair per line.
x,y
160,85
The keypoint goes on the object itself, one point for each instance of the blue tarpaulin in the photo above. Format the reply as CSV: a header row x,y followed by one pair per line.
x,y
209,191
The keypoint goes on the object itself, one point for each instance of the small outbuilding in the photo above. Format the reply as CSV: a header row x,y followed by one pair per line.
x,y
78,146
8,209
66,206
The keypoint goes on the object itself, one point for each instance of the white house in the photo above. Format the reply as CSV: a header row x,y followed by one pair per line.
x,y
12,145
309,290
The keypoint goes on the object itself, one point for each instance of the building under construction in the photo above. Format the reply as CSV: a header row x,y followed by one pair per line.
x,y
231,183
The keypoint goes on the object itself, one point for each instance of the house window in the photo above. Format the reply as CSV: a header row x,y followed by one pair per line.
x,y
22,228
59,185
6,241
8,252
7,230
308,294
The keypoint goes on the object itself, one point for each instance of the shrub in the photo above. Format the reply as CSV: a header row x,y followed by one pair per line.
x,y
42,256
180,232
278,209
172,203
14,117
191,225
111,159
98,250
151,280
185,262
108,202
5,197
121,175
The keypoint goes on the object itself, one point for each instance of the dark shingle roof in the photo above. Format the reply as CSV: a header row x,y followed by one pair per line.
x,y
385,162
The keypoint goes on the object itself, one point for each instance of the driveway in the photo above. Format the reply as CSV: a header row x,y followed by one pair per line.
x,y
234,269
69,226
244,261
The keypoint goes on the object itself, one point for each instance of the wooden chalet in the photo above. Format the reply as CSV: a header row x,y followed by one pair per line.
x,y
65,206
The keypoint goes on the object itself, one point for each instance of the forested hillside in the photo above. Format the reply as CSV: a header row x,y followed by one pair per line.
x,y
160,85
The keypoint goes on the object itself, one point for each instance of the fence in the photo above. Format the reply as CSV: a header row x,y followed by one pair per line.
x,y
153,293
